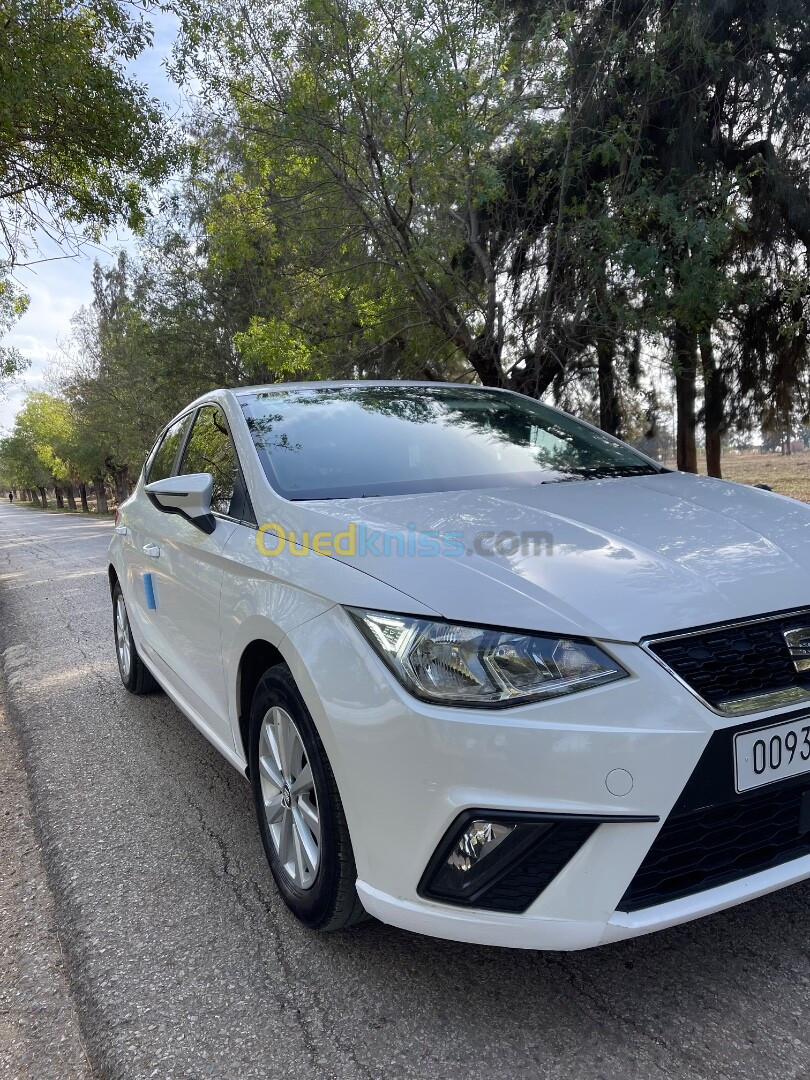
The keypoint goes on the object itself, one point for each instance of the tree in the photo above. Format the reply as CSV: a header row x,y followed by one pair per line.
x,y
684,130
21,464
375,124
80,141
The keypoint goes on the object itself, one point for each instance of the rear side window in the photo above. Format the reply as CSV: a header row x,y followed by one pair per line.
x,y
209,449
163,458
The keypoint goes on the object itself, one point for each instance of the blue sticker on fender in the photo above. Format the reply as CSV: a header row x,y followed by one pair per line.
x,y
149,589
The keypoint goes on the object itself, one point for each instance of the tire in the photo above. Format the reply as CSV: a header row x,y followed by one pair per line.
x,y
135,676
304,831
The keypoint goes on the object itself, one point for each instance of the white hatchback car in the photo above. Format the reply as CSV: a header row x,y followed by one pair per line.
x,y
492,674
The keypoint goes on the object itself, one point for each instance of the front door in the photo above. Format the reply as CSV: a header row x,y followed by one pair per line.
x,y
187,573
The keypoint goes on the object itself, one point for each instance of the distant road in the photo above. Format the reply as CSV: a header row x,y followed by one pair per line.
x,y
182,962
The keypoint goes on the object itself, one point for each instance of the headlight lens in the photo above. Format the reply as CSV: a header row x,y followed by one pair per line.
x,y
469,665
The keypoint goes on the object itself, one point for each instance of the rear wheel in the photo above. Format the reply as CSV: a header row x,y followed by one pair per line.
x,y
301,819
135,676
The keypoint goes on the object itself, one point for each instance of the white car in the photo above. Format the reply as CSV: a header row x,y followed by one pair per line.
x,y
493,675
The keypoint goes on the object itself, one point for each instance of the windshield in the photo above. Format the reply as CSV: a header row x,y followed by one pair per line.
x,y
366,439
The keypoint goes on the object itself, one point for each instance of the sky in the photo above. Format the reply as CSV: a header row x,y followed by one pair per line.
x,y
59,287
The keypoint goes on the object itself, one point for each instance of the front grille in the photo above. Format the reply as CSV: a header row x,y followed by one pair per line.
x,y
738,668
714,836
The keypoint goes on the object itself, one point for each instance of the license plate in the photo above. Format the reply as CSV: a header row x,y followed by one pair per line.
x,y
772,753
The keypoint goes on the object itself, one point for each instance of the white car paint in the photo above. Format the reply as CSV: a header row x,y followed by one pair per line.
x,y
633,557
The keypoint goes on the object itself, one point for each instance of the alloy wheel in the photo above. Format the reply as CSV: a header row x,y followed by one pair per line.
x,y
122,645
289,797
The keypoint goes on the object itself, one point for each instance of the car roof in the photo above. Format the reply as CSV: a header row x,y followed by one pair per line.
x,y
336,384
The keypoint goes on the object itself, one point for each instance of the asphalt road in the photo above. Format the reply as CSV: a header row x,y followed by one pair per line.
x,y
182,962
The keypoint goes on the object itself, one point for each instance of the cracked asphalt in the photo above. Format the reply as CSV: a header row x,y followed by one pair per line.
x,y
141,936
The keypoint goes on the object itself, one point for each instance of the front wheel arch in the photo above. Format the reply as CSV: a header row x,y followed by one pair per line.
x,y
331,902
257,658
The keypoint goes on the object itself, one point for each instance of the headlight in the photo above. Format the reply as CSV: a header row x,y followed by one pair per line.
x,y
469,665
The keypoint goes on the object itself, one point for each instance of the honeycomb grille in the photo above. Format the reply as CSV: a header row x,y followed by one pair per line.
x,y
736,662
713,845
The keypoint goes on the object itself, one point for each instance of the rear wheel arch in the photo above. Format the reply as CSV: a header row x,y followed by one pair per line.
x,y
113,577
135,675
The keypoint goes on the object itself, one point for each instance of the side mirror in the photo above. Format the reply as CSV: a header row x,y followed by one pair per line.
x,y
189,495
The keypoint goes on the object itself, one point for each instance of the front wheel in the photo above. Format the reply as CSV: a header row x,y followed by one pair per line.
x,y
135,676
301,820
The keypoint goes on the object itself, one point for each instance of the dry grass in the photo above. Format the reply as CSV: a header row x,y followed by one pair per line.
x,y
789,475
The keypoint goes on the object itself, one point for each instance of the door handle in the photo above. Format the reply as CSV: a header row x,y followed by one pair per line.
x,y
152,550
122,530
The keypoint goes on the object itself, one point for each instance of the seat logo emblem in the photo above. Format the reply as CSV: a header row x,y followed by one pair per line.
x,y
798,643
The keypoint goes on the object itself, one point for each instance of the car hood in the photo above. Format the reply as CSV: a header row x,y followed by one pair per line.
x,y
628,557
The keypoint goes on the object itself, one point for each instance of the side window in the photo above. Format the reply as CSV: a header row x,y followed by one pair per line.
x,y
209,449
163,458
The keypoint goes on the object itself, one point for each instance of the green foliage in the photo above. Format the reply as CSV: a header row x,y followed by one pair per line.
x,y
80,141
270,345
31,455
45,423
13,305
366,159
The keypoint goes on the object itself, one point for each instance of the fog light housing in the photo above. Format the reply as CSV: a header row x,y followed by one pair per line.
x,y
476,855
503,860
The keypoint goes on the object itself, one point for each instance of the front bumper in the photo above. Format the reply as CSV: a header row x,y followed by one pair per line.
x,y
406,770
536,931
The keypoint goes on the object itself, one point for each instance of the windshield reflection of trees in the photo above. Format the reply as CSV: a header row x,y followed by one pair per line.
x,y
580,454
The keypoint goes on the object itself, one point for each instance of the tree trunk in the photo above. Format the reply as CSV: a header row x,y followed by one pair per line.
x,y
57,494
43,496
101,495
610,419
540,371
35,498
121,485
714,394
71,498
83,495
685,361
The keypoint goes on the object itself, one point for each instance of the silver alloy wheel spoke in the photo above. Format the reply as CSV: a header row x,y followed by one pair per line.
x,y
269,737
290,798
122,636
273,808
309,816
268,763
300,862
303,782
305,837
284,840
282,738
